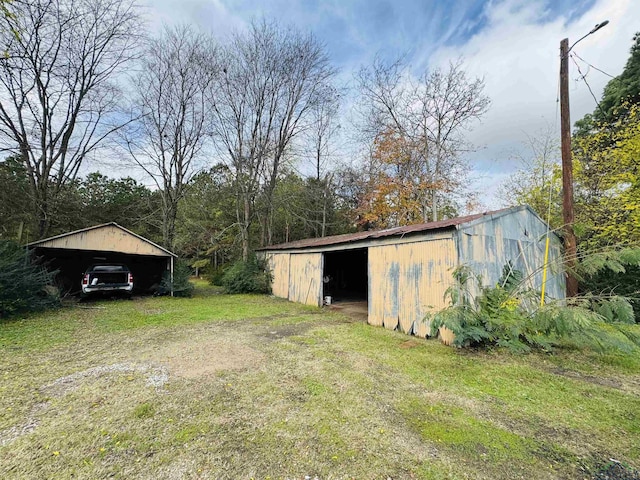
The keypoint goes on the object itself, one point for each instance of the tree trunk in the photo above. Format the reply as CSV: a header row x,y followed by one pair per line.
x,y
42,208
170,212
434,207
244,228
324,211
43,221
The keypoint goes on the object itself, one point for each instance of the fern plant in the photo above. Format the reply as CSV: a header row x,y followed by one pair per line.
x,y
614,272
508,315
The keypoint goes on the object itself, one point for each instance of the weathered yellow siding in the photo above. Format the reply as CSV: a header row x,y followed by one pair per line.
x,y
279,265
383,286
305,278
108,238
408,281
518,238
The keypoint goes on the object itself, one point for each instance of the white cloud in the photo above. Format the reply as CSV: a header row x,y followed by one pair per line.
x,y
519,58
209,15
517,52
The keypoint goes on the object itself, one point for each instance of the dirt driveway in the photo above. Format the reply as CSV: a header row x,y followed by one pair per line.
x,y
219,387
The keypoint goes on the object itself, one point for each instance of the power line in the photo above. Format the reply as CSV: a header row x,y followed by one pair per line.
x,y
595,68
584,78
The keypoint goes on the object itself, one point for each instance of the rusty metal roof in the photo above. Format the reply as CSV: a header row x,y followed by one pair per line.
x,y
389,232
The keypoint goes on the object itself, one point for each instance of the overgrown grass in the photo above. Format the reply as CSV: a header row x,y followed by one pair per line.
x,y
262,388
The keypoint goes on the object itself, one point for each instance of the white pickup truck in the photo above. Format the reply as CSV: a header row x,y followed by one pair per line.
x,y
107,278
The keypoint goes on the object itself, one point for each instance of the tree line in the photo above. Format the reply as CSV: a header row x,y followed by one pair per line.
x,y
242,141
236,142
606,155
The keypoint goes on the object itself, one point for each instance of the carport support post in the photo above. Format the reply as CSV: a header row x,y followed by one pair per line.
x,y
171,276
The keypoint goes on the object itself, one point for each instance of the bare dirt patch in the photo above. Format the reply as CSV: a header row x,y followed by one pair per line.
x,y
601,381
409,344
29,425
357,311
155,377
278,332
195,358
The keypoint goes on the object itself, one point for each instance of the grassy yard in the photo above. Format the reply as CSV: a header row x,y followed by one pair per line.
x,y
233,387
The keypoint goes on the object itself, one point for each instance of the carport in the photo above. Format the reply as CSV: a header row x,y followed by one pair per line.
x,y
72,253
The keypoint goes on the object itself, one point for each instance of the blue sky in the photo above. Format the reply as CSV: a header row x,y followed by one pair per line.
x,y
512,44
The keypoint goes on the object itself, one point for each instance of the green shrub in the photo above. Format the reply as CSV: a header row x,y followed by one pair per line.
x,y
182,287
216,276
509,315
24,285
625,283
251,276
612,271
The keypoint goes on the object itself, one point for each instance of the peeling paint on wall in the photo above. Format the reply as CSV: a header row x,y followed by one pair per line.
x,y
519,238
305,278
279,267
408,277
408,281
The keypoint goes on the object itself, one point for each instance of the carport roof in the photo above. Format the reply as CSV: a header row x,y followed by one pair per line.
x,y
109,237
390,232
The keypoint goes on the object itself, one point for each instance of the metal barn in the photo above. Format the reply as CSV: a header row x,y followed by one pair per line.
x,y
71,253
401,274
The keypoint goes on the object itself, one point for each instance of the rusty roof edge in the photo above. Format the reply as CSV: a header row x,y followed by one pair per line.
x,y
95,227
455,223
505,211
286,246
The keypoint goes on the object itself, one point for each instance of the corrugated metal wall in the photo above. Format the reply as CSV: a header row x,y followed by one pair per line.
x,y
297,276
407,281
519,237
305,278
279,265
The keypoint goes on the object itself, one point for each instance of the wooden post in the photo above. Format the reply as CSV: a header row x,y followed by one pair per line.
x,y
171,275
567,172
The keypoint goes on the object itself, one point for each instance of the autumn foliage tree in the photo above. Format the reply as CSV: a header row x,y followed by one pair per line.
x,y
609,181
428,114
398,186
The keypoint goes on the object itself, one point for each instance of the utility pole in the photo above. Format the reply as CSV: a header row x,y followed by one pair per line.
x,y
570,241
567,172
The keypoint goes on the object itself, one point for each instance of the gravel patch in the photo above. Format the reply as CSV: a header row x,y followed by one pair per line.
x,y
615,470
156,377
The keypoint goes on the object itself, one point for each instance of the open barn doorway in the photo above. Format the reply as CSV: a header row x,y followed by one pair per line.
x,y
345,279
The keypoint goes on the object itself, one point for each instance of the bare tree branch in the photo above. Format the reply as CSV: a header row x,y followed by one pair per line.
x,y
429,114
272,77
167,140
58,97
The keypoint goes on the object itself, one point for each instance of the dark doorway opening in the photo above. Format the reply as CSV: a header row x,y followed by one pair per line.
x,y
345,276
70,264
